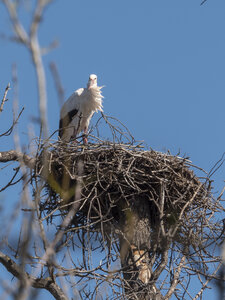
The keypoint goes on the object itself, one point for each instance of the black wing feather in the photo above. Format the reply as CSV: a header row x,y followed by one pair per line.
x,y
65,121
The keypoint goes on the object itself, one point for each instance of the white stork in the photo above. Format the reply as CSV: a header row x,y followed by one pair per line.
x,y
76,112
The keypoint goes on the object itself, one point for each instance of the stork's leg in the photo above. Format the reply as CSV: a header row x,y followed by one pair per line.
x,y
85,136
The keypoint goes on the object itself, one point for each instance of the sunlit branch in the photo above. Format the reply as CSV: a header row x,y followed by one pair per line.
x,y
4,99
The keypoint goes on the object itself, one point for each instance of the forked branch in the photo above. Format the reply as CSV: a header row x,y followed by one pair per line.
x,y
40,283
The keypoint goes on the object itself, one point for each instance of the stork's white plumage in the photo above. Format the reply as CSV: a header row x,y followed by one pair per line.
x,y
76,112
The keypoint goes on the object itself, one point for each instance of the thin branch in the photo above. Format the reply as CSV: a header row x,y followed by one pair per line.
x,y
4,97
175,279
10,183
40,283
13,155
36,54
37,17
204,286
32,44
17,26
9,131
57,81
203,2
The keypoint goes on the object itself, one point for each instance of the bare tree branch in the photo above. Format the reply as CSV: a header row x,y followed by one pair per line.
x,y
4,99
9,131
17,26
203,2
37,59
40,283
32,44
13,155
175,281
57,81
204,286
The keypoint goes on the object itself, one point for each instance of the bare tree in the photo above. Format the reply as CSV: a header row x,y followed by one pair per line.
x,y
107,220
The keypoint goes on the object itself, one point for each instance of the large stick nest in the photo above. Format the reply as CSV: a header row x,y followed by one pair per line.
x,y
123,197
105,181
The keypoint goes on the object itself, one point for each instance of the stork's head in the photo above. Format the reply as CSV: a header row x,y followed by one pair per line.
x,y
92,82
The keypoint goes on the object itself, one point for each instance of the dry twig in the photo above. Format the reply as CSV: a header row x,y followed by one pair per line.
x,y
4,99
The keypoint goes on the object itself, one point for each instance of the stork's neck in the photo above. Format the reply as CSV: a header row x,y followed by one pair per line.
x,y
92,91
94,98
91,85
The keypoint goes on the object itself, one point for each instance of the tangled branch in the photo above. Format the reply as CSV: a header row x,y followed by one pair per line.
x,y
141,200
40,283
31,42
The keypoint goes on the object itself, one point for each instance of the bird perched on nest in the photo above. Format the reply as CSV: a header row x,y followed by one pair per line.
x,y
76,112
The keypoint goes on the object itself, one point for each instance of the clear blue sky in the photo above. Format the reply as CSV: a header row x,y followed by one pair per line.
x,y
162,62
